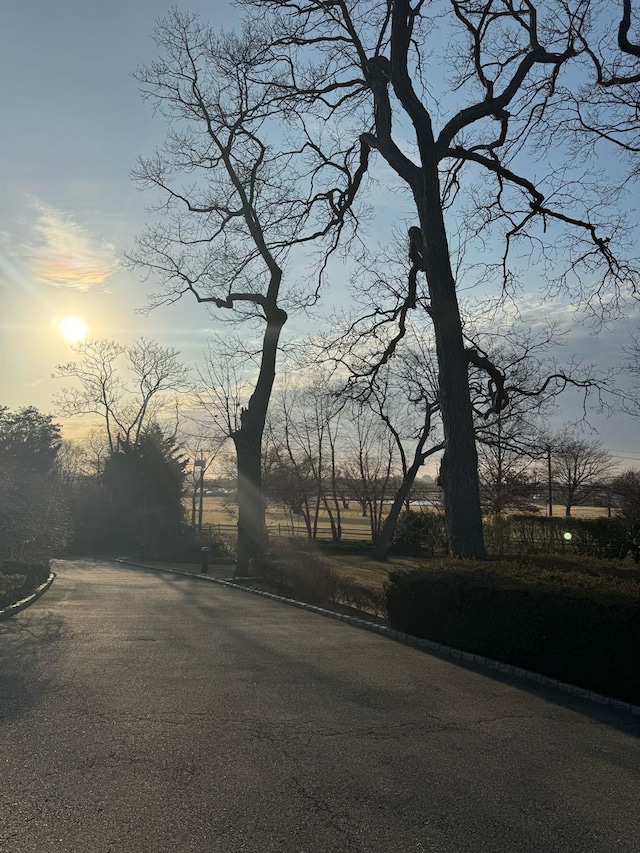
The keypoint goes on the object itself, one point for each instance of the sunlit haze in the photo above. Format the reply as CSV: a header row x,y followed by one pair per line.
x,y
73,329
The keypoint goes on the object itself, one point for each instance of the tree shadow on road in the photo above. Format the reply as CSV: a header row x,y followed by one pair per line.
x,y
27,647
192,590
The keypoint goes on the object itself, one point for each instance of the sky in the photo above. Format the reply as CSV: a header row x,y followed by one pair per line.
x,y
73,124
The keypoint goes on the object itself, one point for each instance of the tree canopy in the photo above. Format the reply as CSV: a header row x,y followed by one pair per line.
x,y
143,483
34,522
271,134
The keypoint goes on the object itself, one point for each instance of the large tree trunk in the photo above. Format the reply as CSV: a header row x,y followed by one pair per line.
x,y
459,468
248,444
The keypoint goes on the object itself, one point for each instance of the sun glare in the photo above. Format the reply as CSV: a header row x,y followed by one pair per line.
x,y
72,329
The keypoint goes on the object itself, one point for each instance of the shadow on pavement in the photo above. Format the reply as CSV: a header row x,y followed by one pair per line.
x,y
194,592
26,647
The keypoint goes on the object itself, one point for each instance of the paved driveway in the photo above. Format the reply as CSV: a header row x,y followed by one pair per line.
x,y
143,712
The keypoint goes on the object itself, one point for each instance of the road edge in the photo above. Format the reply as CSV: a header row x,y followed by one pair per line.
x,y
12,609
417,642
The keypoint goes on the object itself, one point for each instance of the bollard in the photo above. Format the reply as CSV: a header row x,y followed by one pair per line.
x,y
204,565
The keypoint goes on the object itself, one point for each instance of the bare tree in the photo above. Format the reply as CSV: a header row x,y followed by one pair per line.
x,y
203,446
231,208
371,460
506,463
303,440
405,402
631,367
125,386
605,111
96,451
511,441
389,357
392,377
578,466
71,462
627,487
380,62
289,484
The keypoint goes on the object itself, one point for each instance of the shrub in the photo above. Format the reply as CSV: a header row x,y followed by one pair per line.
x,y
307,576
364,598
187,547
20,579
611,538
577,627
34,573
498,535
346,546
9,586
93,524
420,533
304,575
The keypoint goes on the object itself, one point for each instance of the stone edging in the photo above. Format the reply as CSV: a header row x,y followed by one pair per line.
x,y
25,602
419,643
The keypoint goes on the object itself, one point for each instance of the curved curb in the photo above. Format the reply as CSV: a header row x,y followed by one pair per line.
x,y
419,643
12,609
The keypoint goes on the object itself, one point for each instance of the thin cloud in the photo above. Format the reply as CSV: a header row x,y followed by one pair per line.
x,y
66,255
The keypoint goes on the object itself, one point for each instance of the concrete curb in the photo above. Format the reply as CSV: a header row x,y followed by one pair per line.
x,y
419,643
12,609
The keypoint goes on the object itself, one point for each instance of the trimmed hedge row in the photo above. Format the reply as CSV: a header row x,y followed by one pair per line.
x,y
22,579
581,629
424,533
609,538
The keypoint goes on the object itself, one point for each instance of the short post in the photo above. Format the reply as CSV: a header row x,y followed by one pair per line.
x,y
204,565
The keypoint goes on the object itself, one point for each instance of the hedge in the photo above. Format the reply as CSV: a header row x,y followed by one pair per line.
x,y
612,538
21,580
308,577
579,628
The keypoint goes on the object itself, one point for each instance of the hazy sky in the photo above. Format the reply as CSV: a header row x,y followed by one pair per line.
x,y
73,123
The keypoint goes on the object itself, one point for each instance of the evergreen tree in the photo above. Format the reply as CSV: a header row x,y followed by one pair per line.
x,y
144,484
33,513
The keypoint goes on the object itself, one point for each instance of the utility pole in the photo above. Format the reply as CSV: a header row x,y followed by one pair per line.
x,y
549,480
199,463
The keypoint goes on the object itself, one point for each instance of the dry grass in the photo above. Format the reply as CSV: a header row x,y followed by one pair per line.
x,y
582,511
370,572
362,569
220,510
223,511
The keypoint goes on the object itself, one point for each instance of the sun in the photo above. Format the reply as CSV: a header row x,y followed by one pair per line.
x,y
73,329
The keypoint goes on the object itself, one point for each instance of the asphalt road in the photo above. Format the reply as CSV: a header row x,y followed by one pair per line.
x,y
142,712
